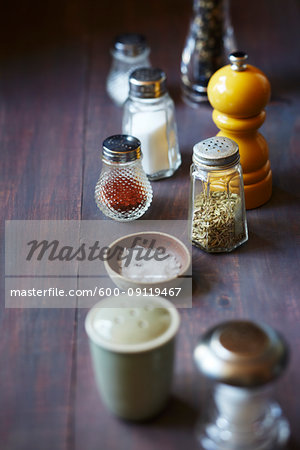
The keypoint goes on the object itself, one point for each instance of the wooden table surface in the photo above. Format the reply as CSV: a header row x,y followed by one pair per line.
x,y
54,114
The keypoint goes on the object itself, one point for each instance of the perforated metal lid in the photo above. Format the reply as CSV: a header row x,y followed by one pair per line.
x,y
147,82
238,61
121,148
129,44
241,353
216,152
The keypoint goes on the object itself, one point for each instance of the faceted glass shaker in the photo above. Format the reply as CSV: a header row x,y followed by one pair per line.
x,y
129,51
123,191
149,114
210,39
241,359
217,204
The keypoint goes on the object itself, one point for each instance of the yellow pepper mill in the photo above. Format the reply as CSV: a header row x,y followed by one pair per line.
x,y
238,93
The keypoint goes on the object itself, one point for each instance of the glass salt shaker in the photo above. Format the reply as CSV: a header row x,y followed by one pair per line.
x,y
217,204
129,51
210,39
123,191
149,114
242,358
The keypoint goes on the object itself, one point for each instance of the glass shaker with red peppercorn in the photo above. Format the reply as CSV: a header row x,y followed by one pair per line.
x,y
123,191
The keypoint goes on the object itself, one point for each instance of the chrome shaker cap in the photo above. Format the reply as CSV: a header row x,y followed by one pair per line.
x,y
129,44
238,61
147,82
241,353
219,152
121,148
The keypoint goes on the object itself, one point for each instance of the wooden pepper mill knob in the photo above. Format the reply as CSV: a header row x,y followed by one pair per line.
x,y
239,93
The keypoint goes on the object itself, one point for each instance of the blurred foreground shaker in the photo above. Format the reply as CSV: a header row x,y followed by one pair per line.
x,y
242,358
132,342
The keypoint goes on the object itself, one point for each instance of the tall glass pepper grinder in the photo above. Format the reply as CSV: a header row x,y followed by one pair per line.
x,y
209,40
123,191
217,205
129,51
242,357
149,114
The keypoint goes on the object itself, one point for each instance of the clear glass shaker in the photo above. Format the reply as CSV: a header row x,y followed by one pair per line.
x,y
242,359
210,39
129,51
123,191
217,204
149,114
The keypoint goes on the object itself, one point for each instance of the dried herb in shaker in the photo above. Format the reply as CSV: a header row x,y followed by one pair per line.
x,y
217,208
216,220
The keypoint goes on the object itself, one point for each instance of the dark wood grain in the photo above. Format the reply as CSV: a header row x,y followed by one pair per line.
x,y
54,115
43,89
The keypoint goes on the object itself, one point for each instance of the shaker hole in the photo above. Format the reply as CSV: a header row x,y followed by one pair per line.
x,y
142,324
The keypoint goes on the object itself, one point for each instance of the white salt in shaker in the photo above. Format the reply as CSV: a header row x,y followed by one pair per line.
x,y
129,51
242,357
149,114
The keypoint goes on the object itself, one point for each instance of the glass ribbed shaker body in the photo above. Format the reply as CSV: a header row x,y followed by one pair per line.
x,y
123,191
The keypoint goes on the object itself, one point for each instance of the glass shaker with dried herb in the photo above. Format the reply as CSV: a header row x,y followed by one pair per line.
x,y
217,205
123,191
